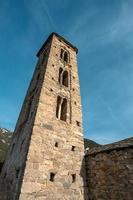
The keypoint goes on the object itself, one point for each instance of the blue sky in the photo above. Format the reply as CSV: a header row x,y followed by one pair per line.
x,y
103,32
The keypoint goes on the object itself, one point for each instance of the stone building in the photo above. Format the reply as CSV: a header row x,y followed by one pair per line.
x,y
109,171
45,159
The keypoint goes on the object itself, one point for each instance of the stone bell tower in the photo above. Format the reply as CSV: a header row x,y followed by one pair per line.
x,y
45,160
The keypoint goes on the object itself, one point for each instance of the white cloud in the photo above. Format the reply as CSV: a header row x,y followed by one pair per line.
x,y
115,28
40,15
122,28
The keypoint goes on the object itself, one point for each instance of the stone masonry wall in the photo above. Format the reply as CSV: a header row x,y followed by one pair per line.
x,y
45,160
13,169
110,171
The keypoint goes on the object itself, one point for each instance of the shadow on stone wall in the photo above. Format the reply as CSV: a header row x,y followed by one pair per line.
x,y
7,192
83,175
24,165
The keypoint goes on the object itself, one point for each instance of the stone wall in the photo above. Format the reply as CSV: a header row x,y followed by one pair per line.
x,y
110,171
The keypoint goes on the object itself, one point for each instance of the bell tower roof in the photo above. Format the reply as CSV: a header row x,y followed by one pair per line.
x,y
61,38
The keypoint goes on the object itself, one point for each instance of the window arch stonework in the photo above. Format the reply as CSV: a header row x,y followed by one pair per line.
x,y
62,108
64,55
64,77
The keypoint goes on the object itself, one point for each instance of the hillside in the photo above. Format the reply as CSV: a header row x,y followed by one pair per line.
x,y
5,138
90,143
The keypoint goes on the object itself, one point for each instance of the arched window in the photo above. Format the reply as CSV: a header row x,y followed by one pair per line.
x,y
60,73
65,78
61,109
66,57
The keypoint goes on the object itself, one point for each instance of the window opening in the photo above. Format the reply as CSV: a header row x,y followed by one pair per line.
x,y
52,177
56,144
73,148
64,110
78,123
73,178
60,73
66,57
58,108
61,109
65,78
62,53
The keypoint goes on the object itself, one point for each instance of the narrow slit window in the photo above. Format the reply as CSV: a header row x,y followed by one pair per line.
x,y
73,178
52,177
78,123
56,144
73,148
